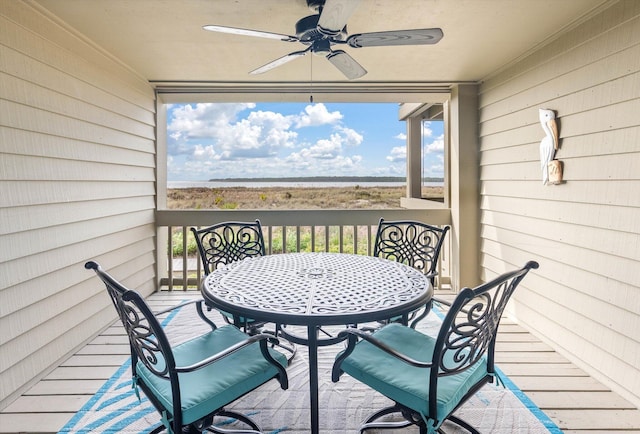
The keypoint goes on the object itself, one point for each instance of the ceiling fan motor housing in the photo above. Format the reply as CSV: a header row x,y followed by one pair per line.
x,y
307,30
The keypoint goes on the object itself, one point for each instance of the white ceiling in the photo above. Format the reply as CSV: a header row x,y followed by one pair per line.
x,y
163,40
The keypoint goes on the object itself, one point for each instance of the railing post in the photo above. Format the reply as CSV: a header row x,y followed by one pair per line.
x,y
170,282
270,240
326,238
185,255
284,239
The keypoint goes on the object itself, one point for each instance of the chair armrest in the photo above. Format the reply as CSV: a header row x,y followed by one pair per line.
x,y
353,335
198,302
441,301
262,338
178,306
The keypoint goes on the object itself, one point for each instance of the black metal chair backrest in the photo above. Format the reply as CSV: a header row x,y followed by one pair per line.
x,y
470,328
149,343
413,243
228,242
147,340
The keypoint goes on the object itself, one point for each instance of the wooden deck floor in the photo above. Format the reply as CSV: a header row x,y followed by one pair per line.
x,y
573,400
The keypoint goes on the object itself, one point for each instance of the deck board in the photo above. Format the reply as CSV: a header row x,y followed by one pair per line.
x,y
610,420
48,404
82,373
105,350
576,402
96,360
115,339
530,346
575,384
33,423
529,357
65,387
542,370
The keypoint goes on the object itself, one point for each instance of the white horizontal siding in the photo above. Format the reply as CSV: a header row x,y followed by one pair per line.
x,y
34,287
77,174
585,297
64,192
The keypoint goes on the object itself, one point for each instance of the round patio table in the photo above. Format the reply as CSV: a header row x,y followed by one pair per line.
x,y
315,290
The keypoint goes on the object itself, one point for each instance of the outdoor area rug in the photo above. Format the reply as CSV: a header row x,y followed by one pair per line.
x,y
115,408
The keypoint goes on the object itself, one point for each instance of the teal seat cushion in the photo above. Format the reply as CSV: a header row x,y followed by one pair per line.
x,y
409,385
217,384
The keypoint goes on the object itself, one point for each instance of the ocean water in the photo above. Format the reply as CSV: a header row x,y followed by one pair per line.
x,y
219,184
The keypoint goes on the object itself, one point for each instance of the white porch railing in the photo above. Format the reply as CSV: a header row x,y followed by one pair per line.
x,y
346,231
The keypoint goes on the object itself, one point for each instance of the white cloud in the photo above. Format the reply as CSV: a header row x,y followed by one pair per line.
x,y
350,137
204,152
331,148
400,136
435,147
261,134
203,119
300,163
326,156
426,129
397,153
315,115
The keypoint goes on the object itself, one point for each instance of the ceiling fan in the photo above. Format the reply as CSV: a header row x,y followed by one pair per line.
x,y
327,28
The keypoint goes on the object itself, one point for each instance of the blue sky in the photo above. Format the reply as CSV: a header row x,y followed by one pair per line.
x,y
250,140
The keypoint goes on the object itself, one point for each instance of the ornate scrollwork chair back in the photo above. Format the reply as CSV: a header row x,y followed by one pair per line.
x,y
141,325
399,361
180,380
228,242
413,243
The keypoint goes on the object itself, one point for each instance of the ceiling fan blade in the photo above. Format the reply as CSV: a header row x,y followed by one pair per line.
x,y
346,64
247,32
281,61
396,37
335,14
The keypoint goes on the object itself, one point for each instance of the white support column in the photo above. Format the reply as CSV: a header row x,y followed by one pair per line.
x,y
162,236
414,157
465,186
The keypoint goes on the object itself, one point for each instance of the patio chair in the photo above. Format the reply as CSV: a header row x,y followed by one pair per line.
x,y
227,242
190,383
430,378
412,243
